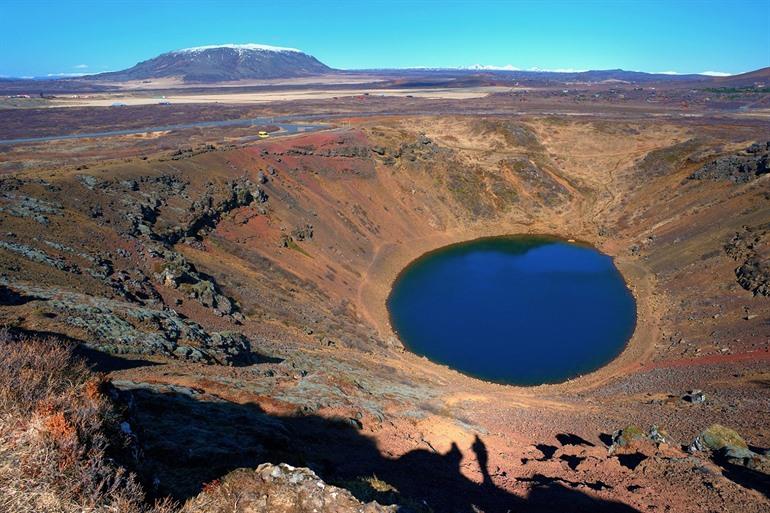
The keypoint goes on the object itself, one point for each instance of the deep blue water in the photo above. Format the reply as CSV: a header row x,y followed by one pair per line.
x,y
523,310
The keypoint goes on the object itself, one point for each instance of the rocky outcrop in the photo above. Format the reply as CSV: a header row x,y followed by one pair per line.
x,y
27,207
754,276
206,213
186,153
742,167
750,247
120,327
39,256
174,271
421,149
278,488
134,286
360,152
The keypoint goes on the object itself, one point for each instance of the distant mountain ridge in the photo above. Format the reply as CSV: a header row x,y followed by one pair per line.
x,y
555,76
223,63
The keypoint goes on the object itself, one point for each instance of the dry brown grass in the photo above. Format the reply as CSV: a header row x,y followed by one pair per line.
x,y
55,428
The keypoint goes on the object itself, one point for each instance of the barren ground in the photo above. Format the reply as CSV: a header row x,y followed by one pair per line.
x,y
309,261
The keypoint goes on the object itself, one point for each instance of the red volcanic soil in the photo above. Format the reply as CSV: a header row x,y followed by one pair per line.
x,y
294,243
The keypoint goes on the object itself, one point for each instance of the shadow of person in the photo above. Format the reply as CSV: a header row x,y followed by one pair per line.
x,y
187,442
482,457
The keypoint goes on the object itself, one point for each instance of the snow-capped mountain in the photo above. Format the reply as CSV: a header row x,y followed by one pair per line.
x,y
221,63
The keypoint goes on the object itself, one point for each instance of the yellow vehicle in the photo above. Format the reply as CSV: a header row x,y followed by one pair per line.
x,y
263,135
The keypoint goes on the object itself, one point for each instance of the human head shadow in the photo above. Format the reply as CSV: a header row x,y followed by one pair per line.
x,y
186,442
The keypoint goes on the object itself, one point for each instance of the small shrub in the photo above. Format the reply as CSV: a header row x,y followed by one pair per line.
x,y
56,426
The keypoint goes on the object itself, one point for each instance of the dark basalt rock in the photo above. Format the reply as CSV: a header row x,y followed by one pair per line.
x,y
695,397
261,195
742,167
753,274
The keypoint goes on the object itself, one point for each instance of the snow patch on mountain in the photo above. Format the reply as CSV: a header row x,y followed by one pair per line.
x,y
240,48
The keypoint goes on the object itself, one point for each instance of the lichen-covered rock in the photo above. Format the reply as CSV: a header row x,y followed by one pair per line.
x,y
626,437
261,195
88,181
121,327
38,210
731,446
232,347
39,256
277,489
717,437
658,435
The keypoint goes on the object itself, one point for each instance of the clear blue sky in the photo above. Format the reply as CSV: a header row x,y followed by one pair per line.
x,y
42,37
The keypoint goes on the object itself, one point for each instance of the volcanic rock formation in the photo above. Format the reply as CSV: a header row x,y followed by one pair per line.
x,y
236,298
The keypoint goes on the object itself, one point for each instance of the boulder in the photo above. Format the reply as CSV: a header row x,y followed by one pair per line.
x,y
627,438
658,435
231,348
278,488
717,437
731,447
695,396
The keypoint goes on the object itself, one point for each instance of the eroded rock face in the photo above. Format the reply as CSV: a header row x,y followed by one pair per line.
x,y
121,327
550,191
742,167
278,488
